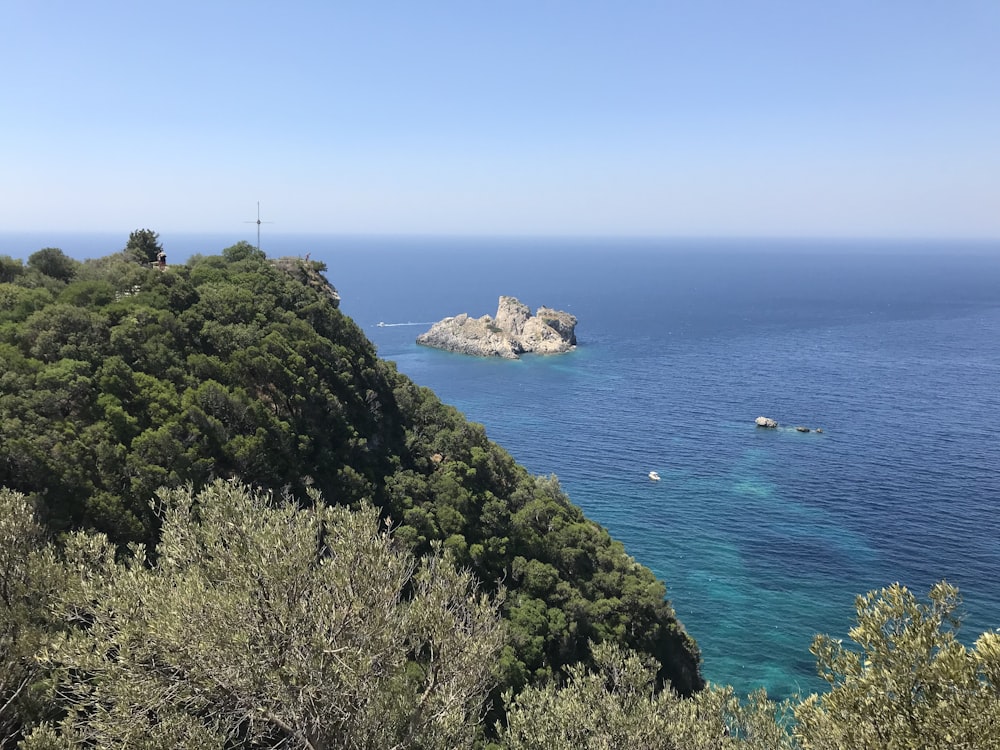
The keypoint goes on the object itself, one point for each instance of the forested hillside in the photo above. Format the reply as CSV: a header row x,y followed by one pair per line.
x,y
225,522
119,378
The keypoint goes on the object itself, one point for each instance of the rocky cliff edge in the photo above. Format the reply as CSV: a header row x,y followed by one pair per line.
x,y
512,332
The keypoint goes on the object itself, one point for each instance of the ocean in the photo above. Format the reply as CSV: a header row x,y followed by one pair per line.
x,y
763,537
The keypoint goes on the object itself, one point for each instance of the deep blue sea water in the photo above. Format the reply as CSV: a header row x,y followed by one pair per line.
x,y
763,537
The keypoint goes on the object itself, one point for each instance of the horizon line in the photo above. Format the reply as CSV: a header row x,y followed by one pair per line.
x,y
576,236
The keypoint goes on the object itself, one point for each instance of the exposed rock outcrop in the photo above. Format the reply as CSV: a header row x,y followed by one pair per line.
x,y
772,424
512,332
309,273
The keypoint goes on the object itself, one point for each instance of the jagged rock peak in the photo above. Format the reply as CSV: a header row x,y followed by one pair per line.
x,y
512,332
310,273
511,315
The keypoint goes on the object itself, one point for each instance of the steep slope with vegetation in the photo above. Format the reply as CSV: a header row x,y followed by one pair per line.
x,y
118,378
274,619
225,522
263,623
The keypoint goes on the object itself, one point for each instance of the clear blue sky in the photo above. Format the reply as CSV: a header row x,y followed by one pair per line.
x,y
747,117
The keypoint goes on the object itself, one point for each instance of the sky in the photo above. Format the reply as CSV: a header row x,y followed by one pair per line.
x,y
855,118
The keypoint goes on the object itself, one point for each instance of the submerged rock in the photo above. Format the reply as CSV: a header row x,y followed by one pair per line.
x,y
512,332
772,424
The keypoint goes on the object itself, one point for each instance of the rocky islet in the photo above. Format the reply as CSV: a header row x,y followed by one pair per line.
x,y
513,331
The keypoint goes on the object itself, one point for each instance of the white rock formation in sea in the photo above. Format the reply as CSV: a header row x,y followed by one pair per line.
x,y
512,332
765,422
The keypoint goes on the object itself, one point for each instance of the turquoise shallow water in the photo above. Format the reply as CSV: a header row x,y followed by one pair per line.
x,y
763,537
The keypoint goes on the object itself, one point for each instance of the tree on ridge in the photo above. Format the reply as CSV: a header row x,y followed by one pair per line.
x,y
143,246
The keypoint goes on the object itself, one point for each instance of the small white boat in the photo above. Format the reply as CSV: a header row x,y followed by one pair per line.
x,y
654,476
381,324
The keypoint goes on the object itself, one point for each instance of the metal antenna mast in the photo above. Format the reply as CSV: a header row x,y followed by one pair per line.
x,y
258,223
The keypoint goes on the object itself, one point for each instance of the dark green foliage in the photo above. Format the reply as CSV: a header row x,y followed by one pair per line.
x,y
143,246
10,268
88,293
28,581
53,262
124,378
616,705
570,583
909,683
241,251
117,379
263,624
18,302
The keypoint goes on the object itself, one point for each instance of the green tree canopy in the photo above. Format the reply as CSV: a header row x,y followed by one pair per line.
x,y
241,251
143,246
265,624
10,268
28,579
53,262
126,379
259,622
616,705
909,683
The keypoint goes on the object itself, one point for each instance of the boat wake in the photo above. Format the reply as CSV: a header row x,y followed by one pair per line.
x,y
395,325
